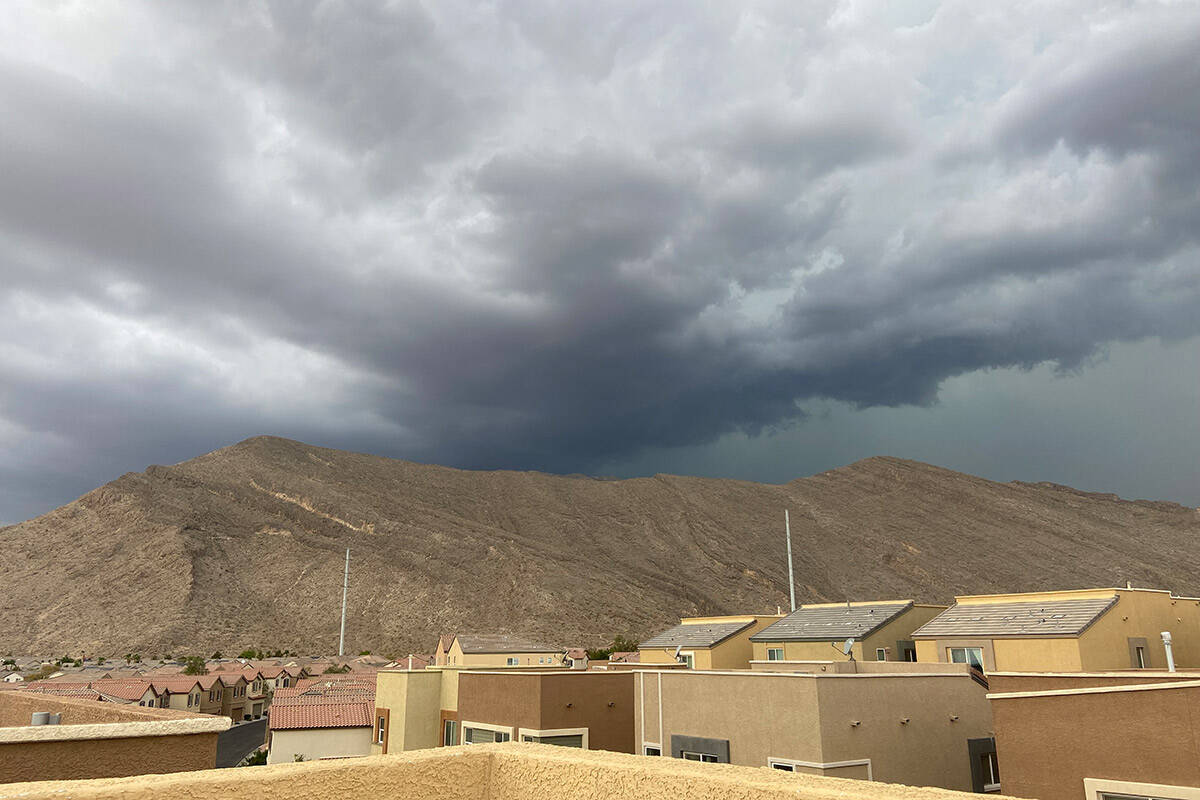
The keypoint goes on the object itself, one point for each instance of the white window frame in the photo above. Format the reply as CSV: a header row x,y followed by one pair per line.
x,y
380,728
702,758
689,658
647,745
456,730
881,654
824,765
1095,788
512,661
991,787
1140,651
771,651
523,732
950,655
485,726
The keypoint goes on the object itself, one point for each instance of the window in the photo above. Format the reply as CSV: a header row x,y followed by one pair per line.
x,y
652,750
707,758
475,735
1141,656
881,654
990,770
782,766
774,654
512,662
449,733
212,694
967,655
910,655
380,730
564,740
689,660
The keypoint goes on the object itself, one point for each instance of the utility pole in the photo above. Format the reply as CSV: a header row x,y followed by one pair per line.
x,y
787,526
346,586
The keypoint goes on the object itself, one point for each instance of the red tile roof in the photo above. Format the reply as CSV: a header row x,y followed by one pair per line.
x,y
83,694
182,684
325,714
125,690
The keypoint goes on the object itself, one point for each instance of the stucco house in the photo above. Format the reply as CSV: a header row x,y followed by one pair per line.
x,y
501,650
881,631
1083,630
707,642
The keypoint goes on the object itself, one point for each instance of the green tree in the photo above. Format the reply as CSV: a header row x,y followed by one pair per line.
x,y
216,655
194,665
335,670
247,654
365,653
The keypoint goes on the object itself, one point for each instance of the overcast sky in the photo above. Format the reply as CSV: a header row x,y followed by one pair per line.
x,y
739,239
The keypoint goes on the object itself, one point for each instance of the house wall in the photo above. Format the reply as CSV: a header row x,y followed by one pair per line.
x,y
318,743
601,702
413,700
1048,745
1105,645
456,657
806,717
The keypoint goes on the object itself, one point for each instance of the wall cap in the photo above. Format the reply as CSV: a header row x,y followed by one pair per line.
x,y
113,730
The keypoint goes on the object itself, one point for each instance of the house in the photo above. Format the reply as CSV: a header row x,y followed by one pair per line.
x,y
233,693
576,658
135,692
410,662
880,630
1084,630
441,653
91,739
326,719
500,650
706,642
917,728
13,677
183,692
1092,736
257,698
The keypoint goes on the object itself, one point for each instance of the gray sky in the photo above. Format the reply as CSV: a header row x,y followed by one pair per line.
x,y
751,240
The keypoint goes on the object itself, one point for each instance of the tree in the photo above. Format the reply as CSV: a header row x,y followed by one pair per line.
x,y
100,659
365,653
216,655
247,654
194,665
620,644
335,670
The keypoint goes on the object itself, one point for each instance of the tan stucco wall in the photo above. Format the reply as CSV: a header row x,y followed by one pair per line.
x,y
104,758
807,717
318,743
456,657
414,702
485,772
733,653
1047,745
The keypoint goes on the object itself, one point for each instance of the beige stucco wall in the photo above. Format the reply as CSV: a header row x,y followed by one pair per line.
x,y
484,772
414,700
456,657
807,717
317,743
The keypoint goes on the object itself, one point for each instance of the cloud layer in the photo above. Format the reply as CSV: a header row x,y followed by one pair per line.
x,y
545,235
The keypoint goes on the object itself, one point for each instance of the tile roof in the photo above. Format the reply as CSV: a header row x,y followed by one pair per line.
x,y
182,684
1042,618
501,643
124,690
830,623
621,657
703,635
323,714
82,694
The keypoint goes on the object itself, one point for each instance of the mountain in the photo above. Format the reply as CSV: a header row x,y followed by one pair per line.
x,y
245,547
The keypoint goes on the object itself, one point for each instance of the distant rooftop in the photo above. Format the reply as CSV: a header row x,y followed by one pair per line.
x,y
702,635
475,643
1042,618
325,713
828,623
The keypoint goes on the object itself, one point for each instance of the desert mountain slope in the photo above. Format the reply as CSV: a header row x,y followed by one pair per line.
x,y
244,546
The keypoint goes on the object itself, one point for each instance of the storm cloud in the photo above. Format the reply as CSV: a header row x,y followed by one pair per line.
x,y
562,237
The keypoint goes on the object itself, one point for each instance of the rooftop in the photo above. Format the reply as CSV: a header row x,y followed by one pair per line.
x,y
696,635
502,643
325,713
829,622
1042,618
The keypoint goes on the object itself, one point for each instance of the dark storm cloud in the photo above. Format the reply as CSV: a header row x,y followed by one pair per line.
x,y
527,235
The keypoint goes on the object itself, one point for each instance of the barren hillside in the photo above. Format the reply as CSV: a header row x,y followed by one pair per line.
x,y
244,546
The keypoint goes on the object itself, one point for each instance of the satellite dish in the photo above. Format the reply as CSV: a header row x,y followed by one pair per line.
x,y
678,649
847,646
